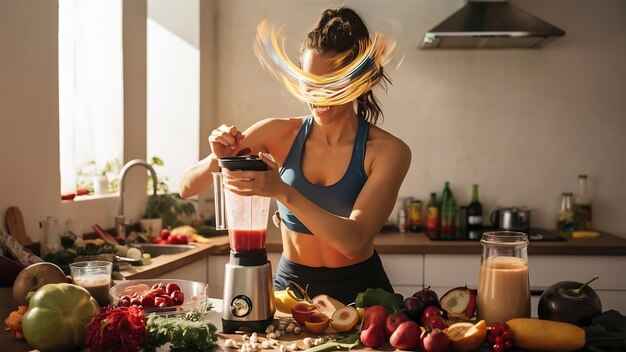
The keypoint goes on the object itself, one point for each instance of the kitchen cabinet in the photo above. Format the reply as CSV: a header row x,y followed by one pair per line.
x,y
405,272
195,271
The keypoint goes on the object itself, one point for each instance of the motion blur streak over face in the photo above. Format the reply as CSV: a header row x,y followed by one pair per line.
x,y
341,86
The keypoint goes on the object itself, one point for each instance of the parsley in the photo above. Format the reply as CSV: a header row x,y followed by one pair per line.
x,y
187,332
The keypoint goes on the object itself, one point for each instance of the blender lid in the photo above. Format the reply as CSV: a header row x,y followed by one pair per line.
x,y
242,163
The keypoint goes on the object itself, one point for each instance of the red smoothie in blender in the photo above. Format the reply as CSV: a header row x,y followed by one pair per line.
x,y
247,240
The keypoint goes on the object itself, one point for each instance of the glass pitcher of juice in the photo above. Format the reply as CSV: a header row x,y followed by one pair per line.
x,y
245,217
503,286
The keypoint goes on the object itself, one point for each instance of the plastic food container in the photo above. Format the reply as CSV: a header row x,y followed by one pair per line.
x,y
195,294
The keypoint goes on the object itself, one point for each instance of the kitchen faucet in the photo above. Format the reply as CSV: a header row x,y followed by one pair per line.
x,y
120,221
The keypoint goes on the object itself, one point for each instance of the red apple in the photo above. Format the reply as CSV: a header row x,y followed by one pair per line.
x,y
302,312
373,337
434,340
406,336
435,322
459,302
393,321
430,311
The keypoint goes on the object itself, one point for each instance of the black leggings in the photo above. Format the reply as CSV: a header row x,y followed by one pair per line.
x,y
342,283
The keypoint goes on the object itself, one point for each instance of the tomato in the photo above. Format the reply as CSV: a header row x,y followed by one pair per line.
x,y
57,317
171,287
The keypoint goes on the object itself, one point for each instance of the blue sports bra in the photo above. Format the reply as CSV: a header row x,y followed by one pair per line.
x,y
338,198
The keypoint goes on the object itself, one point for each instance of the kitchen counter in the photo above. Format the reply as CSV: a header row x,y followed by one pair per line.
x,y
388,243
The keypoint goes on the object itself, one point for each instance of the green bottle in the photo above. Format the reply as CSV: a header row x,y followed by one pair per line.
x,y
448,212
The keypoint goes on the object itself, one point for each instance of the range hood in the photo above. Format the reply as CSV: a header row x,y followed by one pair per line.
x,y
484,24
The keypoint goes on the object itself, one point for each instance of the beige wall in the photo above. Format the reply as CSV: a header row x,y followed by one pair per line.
x,y
520,123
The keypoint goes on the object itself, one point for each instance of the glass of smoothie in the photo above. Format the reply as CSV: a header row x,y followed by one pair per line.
x,y
95,276
503,284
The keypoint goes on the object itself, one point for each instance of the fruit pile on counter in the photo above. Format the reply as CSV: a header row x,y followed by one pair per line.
x,y
54,315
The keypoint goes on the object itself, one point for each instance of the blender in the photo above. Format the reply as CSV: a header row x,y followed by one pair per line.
x,y
248,301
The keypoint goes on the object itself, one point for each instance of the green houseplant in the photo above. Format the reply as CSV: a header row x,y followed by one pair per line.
x,y
166,205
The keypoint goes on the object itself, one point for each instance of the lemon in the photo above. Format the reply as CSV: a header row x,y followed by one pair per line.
x,y
466,336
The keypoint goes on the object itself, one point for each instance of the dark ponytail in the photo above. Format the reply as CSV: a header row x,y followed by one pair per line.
x,y
340,30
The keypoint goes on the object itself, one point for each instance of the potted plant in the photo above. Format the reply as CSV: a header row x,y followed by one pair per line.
x,y
164,206
96,179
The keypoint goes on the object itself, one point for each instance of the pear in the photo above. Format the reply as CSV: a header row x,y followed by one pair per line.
x,y
326,304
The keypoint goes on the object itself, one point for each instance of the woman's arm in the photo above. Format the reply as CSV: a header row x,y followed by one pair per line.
x,y
351,235
272,136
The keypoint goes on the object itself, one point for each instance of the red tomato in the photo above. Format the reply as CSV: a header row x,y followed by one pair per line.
x,y
171,287
165,233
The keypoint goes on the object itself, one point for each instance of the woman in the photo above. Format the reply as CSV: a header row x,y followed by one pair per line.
x,y
334,175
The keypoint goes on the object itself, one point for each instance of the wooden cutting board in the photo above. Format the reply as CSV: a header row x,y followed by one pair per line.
x,y
15,225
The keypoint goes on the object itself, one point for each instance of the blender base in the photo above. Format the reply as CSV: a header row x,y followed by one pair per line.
x,y
233,326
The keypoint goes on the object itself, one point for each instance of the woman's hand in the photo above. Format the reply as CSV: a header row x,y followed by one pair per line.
x,y
255,183
224,141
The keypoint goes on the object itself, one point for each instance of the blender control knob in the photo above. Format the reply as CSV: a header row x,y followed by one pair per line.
x,y
241,306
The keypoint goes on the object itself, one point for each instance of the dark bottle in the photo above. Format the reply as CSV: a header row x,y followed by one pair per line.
x,y
582,206
432,216
474,215
448,212
565,217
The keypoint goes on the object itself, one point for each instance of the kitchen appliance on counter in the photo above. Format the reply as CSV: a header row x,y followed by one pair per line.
x,y
248,301
512,218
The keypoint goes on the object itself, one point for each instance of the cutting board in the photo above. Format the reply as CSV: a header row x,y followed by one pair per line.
x,y
15,225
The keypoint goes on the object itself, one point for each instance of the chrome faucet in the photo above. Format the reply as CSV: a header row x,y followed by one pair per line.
x,y
120,221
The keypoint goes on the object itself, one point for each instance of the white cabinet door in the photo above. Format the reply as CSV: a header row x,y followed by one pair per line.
x,y
443,272
196,271
405,272
216,275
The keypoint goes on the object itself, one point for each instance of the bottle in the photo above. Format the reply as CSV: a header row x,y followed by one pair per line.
x,y
565,217
582,206
474,211
51,242
448,212
402,220
432,216
415,216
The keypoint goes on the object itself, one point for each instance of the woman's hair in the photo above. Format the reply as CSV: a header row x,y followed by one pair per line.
x,y
340,30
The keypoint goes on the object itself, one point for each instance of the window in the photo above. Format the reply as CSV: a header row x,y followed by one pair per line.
x,y
90,90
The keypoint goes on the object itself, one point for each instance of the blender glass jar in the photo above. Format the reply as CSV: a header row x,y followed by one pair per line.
x,y
245,216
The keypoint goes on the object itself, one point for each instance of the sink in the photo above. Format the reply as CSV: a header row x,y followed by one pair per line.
x,y
157,249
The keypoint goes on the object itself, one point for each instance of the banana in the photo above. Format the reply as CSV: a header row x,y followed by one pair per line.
x,y
585,234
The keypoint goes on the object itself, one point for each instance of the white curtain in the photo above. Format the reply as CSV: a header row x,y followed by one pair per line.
x,y
90,86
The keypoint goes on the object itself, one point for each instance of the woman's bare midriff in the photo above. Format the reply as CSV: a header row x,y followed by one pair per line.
x,y
308,250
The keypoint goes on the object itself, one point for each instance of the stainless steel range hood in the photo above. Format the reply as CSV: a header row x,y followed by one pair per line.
x,y
484,24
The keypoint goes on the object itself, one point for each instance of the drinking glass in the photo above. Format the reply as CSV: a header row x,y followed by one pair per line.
x,y
95,276
503,286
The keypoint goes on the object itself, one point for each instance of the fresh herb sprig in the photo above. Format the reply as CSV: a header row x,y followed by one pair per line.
x,y
185,332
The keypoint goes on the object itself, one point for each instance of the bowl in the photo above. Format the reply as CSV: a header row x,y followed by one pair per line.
x,y
195,294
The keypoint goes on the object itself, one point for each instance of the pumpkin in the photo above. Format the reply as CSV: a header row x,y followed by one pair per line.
x,y
57,316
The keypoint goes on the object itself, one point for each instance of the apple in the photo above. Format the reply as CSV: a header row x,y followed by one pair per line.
x,y
435,322
428,312
459,302
406,336
434,340
393,321
428,297
570,302
302,312
373,337
326,304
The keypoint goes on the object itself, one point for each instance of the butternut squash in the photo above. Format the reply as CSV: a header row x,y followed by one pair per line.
x,y
546,335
